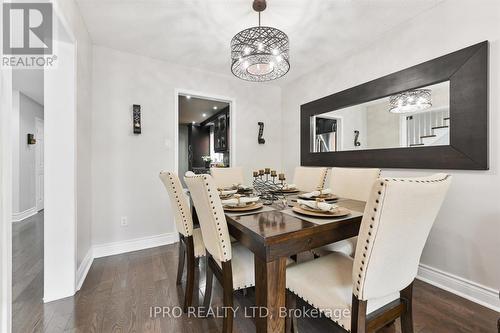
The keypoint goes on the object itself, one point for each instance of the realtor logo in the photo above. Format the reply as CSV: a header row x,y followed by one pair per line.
x,y
27,28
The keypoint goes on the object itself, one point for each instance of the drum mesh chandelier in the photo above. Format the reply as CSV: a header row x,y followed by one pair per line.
x,y
410,101
260,53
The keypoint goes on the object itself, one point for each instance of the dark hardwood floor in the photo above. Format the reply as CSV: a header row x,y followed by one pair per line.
x,y
27,272
120,290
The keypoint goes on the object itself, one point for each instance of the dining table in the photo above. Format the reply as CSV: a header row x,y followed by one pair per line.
x,y
274,235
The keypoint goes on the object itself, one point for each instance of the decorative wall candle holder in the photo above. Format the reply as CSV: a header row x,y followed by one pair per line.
x,y
31,139
136,110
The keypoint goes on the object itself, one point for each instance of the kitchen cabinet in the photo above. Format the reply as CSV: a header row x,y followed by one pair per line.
x,y
221,129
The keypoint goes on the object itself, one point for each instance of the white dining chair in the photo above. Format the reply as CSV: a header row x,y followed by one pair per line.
x,y
191,245
375,288
232,264
309,179
350,183
227,177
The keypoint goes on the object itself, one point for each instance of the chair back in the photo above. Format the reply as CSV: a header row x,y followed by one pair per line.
x,y
210,214
178,202
227,177
353,183
396,223
309,178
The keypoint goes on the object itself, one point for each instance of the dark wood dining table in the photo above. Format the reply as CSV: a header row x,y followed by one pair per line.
x,y
273,237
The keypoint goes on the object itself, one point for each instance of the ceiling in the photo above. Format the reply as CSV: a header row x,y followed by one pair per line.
x,y
197,109
29,82
197,33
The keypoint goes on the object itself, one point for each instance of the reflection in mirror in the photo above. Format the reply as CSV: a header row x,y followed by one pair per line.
x,y
414,118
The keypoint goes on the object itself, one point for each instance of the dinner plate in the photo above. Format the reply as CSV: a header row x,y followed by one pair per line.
x,y
326,197
295,190
249,207
229,196
341,211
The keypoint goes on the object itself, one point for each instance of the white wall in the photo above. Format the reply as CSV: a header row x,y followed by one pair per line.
x,y
75,22
60,174
25,186
383,128
67,199
125,166
464,240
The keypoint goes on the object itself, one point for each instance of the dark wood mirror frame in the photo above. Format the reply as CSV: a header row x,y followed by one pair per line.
x,y
467,72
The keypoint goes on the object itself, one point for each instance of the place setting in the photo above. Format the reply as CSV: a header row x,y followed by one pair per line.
x,y
239,205
319,208
319,211
323,194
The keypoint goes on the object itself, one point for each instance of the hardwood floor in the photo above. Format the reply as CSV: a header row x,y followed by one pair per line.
x,y
120,290
27,271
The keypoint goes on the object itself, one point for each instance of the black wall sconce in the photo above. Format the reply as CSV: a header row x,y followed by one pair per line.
x,y
137,118
31,139
260,139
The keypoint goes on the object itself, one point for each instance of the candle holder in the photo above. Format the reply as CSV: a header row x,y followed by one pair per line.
x,y
267,185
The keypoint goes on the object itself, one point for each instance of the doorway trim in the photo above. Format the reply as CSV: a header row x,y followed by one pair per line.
x,y
211,97
39,149
6,179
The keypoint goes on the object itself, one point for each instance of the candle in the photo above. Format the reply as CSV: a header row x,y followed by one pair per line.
x,y
268,170
281,176
261,172
255,173
273,173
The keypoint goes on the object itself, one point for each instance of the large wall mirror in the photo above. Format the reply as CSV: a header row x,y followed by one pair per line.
x,y
433,115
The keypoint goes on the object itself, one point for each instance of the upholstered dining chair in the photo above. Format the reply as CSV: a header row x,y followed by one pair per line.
x,y
232,264
309,178
191,245
350,183
227,177
375,288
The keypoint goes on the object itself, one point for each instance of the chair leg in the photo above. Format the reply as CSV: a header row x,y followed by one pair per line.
x,y
291,319
182,257
188,300
208,286
358,315
407,316
227,286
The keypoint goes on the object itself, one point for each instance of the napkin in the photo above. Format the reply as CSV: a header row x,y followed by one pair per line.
x,y
316,193
323,206
239,201
289,187
227,192
242,187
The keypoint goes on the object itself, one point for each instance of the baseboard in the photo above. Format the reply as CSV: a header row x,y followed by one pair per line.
x,y
109,249
18,217
83,269
470,290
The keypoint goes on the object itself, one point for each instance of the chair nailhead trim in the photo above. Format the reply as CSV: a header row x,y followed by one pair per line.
x,y
361,267
377,201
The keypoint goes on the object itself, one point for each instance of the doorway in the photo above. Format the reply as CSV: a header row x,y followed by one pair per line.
x,y
27,196
203,133
57,244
